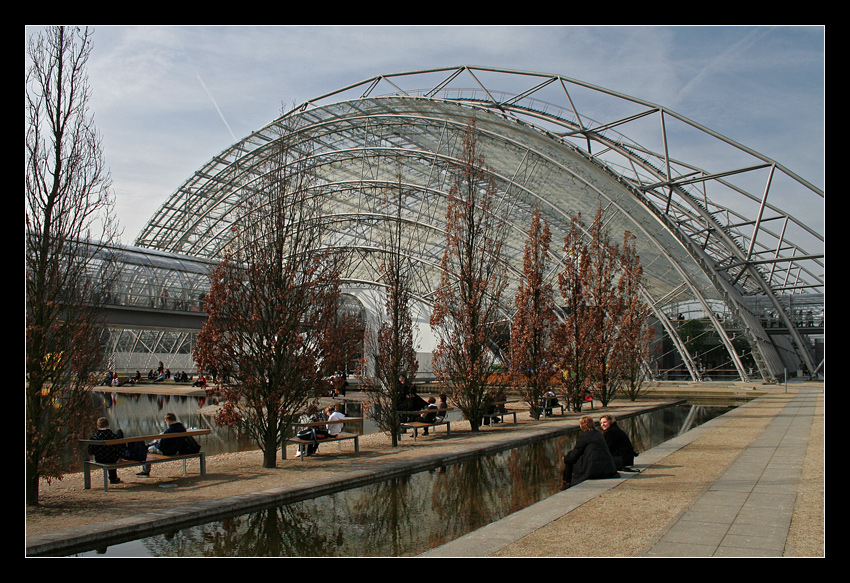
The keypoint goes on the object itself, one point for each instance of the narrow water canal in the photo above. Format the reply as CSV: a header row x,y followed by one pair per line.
x,y
403,516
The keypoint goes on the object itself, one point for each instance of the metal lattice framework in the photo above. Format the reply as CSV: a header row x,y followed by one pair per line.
x,y
712,240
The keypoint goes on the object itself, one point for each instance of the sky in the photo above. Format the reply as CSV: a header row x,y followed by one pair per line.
x,y
167,99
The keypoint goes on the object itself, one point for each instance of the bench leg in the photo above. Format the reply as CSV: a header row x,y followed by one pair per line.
x,y
203,463
86,476
356,445
105,480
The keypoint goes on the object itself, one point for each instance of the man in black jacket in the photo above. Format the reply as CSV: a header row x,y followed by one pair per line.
x,y
619,443
107,454
166,446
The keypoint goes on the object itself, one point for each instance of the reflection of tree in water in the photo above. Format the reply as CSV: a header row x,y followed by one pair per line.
x,y
406,515
639,430
410,514
392,515
469,495
291,530
534,473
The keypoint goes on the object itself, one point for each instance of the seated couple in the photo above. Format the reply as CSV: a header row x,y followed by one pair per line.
x,y
597,455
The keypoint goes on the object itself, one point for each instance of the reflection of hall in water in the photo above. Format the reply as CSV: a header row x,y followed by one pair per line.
x,y
409,514
142,414
647,431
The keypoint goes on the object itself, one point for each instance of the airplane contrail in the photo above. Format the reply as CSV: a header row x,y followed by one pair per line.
x,y
215,105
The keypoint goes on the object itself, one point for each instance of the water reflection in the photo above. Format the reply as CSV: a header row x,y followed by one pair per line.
x,y
137,414
407,515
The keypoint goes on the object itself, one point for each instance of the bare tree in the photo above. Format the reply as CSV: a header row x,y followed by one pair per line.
x,y
271,302
534,324
69,217
392,349
467,301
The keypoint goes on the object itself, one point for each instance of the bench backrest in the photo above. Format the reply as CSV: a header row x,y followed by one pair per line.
x,y
320,423
143,437
425,411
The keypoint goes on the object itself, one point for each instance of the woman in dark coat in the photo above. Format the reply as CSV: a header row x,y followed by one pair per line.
x,y
618,442
589,458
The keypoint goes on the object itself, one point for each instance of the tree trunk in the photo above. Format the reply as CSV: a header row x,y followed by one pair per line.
x,y
270,446
32,481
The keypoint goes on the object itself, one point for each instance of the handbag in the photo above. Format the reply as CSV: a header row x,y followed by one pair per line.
x,y
190,445
136,451
306,433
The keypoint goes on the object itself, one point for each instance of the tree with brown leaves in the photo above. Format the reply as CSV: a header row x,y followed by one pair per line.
x,y
534,324
466,310
605,331
575,334
603,310
631,356
392,348
271,302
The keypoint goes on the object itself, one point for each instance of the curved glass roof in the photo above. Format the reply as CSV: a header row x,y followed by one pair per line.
x,y
710,236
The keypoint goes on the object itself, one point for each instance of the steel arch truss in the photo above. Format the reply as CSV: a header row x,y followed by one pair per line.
x,y
715,239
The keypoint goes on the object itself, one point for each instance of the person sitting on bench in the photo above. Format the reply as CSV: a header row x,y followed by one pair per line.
x,y
107,454
429,416
166,446
314,415
334,414
443,404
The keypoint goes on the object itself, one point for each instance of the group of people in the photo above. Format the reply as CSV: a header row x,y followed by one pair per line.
x,y
162,375
111,379
434,411
415,408
595,455
598,454
316,415
108,454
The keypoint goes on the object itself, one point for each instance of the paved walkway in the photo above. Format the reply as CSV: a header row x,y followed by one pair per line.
x,y
746,510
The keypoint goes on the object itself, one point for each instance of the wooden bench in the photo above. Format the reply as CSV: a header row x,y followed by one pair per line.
x,y
500,415
565,406
339,437
550,403
417,425
152,458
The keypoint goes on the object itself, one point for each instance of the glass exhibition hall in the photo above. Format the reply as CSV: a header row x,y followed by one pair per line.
x,y
725,235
